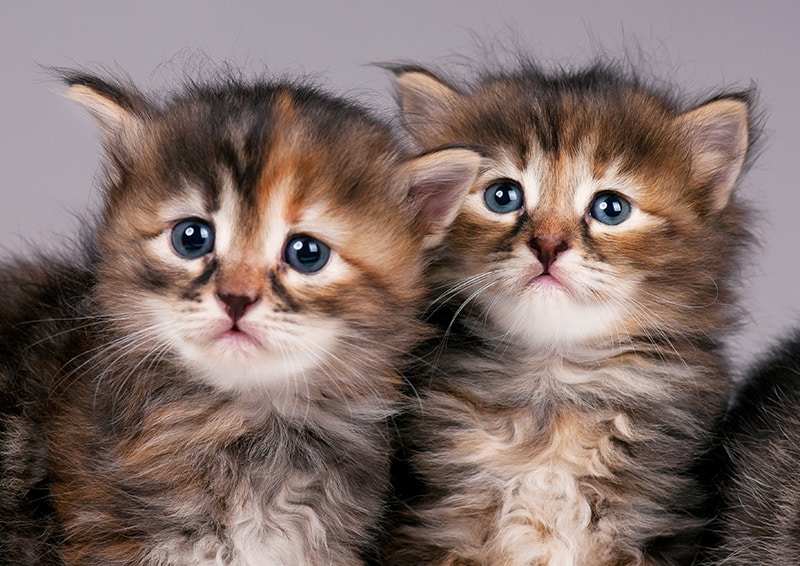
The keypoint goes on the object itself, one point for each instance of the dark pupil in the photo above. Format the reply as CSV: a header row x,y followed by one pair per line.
x,y
504,196
611,206
194,237
307,251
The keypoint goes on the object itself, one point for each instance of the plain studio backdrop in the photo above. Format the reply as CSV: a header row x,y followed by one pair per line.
x,y
49,147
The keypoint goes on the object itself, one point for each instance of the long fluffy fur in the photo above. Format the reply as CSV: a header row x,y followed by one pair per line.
x,y
129,434
759,520
553,430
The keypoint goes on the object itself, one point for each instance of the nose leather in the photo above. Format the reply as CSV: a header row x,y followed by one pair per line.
x,y
236,305
547,249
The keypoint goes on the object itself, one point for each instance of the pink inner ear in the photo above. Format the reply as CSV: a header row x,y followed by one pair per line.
x,y
719,134
722,136
435,201
440,182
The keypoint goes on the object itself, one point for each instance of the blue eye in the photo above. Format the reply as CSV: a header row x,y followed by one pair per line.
x,y
503,197
193,238
610,208
306,254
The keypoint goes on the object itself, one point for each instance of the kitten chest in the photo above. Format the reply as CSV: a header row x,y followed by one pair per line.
x,y
550,500
554,466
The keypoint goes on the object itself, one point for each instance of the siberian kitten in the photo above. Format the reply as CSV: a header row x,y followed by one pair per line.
x,y
209,381
581,297
760,518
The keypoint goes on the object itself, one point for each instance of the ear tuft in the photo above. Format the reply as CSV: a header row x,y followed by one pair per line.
x,y
115,107
439,183
425,102
719,135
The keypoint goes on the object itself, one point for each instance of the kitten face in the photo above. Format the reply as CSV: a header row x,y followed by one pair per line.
x,y
260,304
568,258
605,212
266,237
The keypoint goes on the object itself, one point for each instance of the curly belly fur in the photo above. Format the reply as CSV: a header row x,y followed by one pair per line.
x,y
284,534
545,519
552,482
213,481
545,505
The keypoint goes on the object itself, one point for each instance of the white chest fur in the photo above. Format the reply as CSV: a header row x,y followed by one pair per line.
x,y
280,533
549,478
546,519
290,534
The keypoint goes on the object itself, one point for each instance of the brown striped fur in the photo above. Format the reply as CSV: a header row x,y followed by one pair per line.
x,y
226,408
562,420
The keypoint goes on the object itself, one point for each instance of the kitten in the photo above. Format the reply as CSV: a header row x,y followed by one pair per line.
x,y
209,381
581,298
759,522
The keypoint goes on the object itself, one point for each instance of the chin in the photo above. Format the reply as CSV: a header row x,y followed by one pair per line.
x,y
551,318
255,359
242,365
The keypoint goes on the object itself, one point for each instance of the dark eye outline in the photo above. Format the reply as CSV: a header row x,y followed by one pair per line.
x,y
192,250
514,204
292,254
598,213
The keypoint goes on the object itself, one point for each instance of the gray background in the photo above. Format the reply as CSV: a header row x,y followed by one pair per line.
x,y
49,150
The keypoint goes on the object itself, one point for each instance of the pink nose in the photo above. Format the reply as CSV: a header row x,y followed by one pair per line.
x,y
236,305
547,249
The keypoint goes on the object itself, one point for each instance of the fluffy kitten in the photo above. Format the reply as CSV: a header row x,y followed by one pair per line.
x,y
581,297
209,382
760,518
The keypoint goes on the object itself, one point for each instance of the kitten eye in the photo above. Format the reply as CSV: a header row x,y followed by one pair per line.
x,y
503,197
610,208
192,238
306,254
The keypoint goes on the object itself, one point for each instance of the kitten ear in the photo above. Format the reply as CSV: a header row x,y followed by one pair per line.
x,y
719,138
118,110
438,184
425,101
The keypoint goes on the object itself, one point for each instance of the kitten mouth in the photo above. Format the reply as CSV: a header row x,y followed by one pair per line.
x,y
235,336
548,277
546,281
